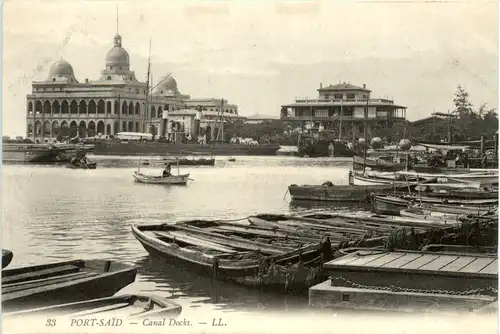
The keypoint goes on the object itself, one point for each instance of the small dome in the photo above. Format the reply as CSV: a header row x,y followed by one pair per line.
x,y
167,86
61,68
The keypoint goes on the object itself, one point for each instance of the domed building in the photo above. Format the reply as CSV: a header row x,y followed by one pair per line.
x,y
62,106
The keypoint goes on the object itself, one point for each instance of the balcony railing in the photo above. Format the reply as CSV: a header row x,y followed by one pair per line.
x,y
336,118
313,101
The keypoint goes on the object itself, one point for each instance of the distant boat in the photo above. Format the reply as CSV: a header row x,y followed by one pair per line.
x,y
180,179
63,282
129,306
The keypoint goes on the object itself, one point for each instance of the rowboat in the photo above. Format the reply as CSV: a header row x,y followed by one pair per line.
x,y
362,180
360,163
230,259
63,282
337,193
6,257
342,227
483,178
180,179
389,204
459,209
419,213
125,306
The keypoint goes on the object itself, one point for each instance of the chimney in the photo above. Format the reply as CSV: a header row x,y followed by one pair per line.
x,y
320,85
364,86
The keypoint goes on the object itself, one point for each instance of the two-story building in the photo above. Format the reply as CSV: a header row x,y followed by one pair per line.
x,y
341,111
61,105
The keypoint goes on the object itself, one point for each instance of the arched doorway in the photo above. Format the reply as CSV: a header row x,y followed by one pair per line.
x,y
55,129
83,108
46,129
100,128
108,129
38,128
91,129
82,130
116,128
64,131
73,129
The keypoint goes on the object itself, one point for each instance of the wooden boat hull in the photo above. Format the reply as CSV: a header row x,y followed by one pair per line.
x,y
131,306
139,148
191,162
170,180
360,180
458,210
484,179
428,214
92,165
388,205
63,282
338,193
359,163
7,256
254,271
384,204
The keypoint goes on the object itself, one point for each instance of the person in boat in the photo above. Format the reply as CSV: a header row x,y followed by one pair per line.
x,y
484,161
167,171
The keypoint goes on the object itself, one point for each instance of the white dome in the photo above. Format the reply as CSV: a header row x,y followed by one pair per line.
x,y
61,68
117,55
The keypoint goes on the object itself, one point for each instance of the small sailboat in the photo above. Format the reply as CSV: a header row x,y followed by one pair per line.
x,y
179,179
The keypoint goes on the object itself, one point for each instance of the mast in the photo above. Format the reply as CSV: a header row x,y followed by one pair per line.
x,y
365,134
341,112
146,111
222,118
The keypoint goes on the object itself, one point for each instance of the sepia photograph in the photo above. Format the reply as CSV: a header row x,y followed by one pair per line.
x,y
279,166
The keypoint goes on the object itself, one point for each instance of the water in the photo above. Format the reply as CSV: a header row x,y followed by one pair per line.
x,y
55,213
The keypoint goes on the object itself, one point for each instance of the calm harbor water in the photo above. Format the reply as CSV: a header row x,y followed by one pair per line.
x,y
55,213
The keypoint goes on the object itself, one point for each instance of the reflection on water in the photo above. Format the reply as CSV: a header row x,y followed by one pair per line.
x,y
55,213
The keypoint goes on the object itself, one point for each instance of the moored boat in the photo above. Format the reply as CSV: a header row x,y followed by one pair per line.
x,y
63,282
149,148
359,163
125,306
390,204
180,179
7,256
191,159
336,193
483,178
229,260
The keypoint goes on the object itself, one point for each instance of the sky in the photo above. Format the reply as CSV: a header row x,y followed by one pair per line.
x,y
262,54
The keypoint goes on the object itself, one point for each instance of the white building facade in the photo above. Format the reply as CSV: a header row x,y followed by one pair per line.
x,y
61,106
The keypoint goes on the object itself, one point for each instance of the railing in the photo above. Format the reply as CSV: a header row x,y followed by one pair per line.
x,y
377,100
336,118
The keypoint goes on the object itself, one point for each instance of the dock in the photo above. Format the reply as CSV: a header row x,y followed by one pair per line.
x,y
408,282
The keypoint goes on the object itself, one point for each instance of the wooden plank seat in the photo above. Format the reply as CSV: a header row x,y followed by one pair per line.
x,y
39,274
45,282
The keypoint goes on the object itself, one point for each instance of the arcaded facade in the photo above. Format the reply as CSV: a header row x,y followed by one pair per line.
x,y
62,106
